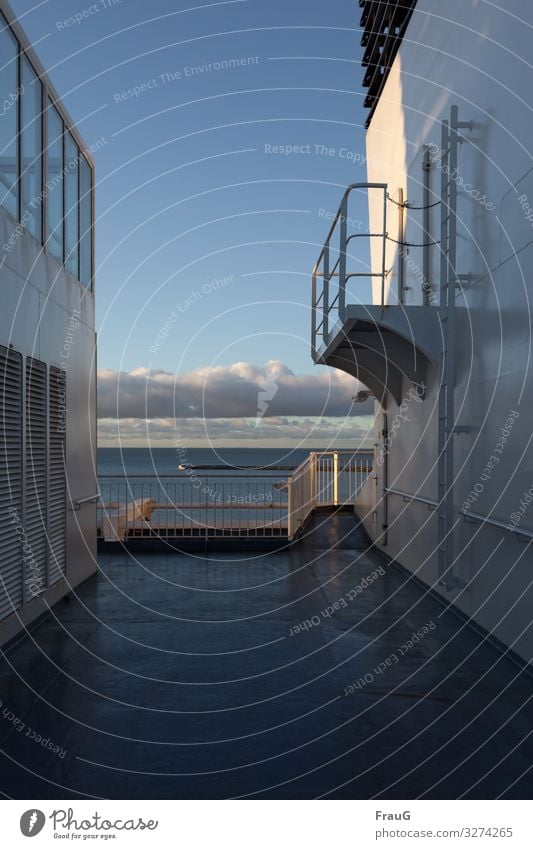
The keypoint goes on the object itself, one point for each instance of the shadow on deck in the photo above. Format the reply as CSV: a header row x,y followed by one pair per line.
x,y
176,676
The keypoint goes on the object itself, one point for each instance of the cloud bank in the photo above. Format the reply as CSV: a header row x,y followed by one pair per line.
x,y
237,391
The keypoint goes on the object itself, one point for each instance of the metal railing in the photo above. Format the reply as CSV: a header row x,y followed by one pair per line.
x,y
254,505
520,532
329,295
302,495
325,479
409,496
192,506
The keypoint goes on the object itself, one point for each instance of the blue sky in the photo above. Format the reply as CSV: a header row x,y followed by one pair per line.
x,y
223,134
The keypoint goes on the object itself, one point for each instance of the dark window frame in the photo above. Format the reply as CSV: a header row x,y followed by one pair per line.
x,y
48,99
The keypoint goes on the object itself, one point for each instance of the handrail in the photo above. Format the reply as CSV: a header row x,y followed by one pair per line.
x,y
321,269
497,523
87,500
347,192
467,514
409,495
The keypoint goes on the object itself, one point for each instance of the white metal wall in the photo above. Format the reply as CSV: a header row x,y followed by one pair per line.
x,y
474,55
41,306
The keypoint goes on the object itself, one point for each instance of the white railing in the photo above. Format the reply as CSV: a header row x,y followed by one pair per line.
x,y
192,506
302,495
325,479
255,504
331,272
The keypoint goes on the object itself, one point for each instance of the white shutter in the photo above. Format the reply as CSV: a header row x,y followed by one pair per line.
x,y
57,481
35,559
10,481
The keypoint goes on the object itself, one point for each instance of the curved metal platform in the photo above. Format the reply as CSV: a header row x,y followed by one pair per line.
x,y
384,345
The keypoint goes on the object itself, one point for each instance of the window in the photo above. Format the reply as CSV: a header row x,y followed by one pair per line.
x,y
54,183
9,93
32,135
72,157
43,189
86,270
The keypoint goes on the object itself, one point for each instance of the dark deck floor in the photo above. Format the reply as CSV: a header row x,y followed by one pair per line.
x,y
177,677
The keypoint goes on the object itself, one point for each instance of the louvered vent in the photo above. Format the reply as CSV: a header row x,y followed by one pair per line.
x,y
57,481
10,481
35,561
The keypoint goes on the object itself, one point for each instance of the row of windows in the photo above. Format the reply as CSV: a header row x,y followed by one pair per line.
x,y
32,479
47,187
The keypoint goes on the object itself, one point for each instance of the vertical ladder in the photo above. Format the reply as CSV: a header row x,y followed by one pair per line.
x,y
449,281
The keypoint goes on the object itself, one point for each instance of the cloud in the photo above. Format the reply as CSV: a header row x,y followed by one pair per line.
x,y
237,391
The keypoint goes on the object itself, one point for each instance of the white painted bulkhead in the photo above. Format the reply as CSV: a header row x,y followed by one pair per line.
x,y
475,56
41,308
48,316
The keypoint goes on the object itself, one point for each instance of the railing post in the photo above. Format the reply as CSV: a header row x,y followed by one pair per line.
x,y
401,247
335,478
206,511
290,521
342,256
313,316
325,295
384,247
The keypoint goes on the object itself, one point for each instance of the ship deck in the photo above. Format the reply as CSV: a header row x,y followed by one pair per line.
x,y
288,675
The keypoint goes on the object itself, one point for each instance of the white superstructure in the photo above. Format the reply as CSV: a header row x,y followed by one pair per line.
x,y
47,342
446,344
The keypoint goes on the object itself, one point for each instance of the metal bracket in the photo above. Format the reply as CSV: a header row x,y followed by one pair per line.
x,y
523,538
451,584
466,281
88,500
463,125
